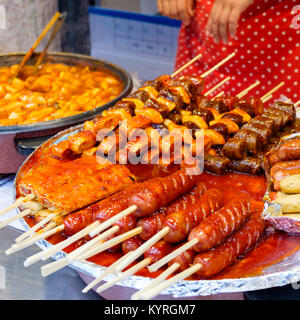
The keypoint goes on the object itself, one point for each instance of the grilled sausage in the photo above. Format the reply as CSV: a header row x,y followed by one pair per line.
x,y
131,244
151,225
182,222
185,259
148,196
158,251
221,224
217,259
289,150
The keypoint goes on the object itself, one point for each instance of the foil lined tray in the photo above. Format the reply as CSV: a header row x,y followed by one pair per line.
x,y
285,272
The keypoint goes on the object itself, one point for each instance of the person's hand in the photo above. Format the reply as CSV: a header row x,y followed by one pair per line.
x,y
177,9
224,17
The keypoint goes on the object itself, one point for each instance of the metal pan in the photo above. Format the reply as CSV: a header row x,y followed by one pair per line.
x,y
17,141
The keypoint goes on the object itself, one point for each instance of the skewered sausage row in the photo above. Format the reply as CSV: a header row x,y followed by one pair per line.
x,y
217,259
222,223
181,223
148,196
152,224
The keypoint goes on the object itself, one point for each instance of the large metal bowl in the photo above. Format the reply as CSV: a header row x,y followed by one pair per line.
x,y
17,141
281,273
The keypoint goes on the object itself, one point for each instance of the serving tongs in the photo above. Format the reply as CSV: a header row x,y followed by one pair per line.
x,y
56,22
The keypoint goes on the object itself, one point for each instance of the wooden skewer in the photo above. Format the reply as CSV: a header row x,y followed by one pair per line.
x,y
110,243
37,42
14,218
19,246
244,92
272,91
43,255
267,99
97,226
16,204
297,103
106,272
180,276
218,95
163,276
217,86
205,74
186,65
79,251
39,225
144,247
112,220
57,265
155,266
125,274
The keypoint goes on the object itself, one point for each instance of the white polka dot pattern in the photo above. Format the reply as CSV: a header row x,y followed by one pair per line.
x,y
267,48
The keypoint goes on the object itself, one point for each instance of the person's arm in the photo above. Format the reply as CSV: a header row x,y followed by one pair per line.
x,y
177,9
224,17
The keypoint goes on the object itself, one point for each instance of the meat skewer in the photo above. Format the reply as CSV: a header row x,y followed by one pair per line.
x,y
213,261
145,246
213,230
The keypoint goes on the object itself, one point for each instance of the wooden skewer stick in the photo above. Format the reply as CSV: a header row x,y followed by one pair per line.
x,y
180,276
244,92
39,225
43,255
14,218
267,99
297,103
19,246
84,248
205,74
163,276
106,272
97,226
137,267
112,220
217,86
218,95
57,265
16,204
110,243
144,247
272,91
186,65
37,42
155,266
